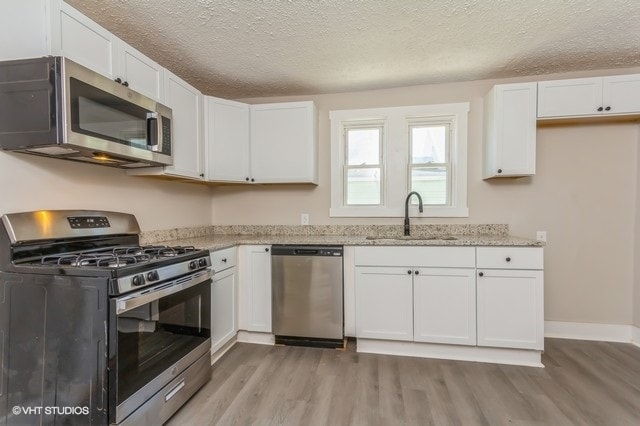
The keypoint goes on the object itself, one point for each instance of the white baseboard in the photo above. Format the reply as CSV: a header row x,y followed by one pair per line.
x,y
635,336
255,337
528,358
217,353
588,331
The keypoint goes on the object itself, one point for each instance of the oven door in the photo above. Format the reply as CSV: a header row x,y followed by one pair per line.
x,y
157,334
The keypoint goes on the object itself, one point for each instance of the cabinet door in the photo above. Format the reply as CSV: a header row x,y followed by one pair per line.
x,y
621,93
227,140
510,130
384,303
223,308
444,306
255,288
510,308
284,143
28,22
140,72
566,98
186,104
80,39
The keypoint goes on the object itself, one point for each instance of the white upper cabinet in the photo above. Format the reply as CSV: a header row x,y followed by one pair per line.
x,y
227,140
510,131
52,27
589,96
284,143
140,73
268,143
187,145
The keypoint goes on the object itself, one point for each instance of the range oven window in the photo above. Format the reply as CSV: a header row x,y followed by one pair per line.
x,y
154,336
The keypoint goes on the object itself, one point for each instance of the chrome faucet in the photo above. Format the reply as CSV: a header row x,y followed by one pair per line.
x,y
406,210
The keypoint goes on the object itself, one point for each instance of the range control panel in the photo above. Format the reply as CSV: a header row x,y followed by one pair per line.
x,y
84,222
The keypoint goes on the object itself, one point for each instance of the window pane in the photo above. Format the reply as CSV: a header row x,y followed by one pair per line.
x,y
363,186
363,147
428,144
431,184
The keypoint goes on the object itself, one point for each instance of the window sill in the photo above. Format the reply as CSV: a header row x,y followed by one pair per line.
x,y
398,212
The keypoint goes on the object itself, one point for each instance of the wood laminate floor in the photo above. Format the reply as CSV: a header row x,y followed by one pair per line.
x,y
584,383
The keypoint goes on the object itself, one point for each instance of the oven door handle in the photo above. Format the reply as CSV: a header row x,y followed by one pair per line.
x,y
131,301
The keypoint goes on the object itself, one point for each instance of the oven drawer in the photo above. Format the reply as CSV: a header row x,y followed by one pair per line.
x,y
160,407
223,259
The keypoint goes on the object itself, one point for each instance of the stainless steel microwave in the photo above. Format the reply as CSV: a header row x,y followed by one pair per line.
x,y
53,107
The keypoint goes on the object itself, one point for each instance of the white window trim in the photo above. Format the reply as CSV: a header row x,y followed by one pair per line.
x,y
395,119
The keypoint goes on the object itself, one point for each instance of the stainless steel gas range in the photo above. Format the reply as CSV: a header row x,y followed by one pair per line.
x,y
94,327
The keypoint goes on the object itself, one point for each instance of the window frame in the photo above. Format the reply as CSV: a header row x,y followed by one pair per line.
x,y
396,166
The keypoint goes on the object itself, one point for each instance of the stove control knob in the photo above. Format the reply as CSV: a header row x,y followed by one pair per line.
x,y
153,276
202,262
137,280
193,264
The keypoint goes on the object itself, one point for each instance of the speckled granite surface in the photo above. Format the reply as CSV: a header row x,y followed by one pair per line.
x,y
218,237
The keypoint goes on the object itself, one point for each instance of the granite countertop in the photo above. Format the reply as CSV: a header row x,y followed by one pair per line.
x,y
219,237
221,241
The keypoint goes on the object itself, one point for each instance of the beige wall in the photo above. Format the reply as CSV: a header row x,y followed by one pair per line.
x,y
584,195
33,183
636,289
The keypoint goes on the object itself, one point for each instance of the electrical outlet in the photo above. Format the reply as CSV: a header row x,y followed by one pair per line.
x,y
541,236
304,219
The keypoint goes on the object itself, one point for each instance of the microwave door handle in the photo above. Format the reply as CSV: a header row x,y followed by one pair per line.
x,y
153,133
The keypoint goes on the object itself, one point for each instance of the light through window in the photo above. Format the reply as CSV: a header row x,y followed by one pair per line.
x,y
363,165
429,165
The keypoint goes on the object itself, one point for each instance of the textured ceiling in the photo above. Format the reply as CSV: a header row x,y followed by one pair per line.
x,y
245,48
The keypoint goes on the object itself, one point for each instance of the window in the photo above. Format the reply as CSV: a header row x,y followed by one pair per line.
x,y
363,165
379,155
429,165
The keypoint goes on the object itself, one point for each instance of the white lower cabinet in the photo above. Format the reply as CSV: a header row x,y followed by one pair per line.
x,y
421,302
255,288
223,311
384,303
224,298
510,308
510,297
444,306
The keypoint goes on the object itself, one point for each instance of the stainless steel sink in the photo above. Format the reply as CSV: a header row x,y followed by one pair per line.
x,y
412,238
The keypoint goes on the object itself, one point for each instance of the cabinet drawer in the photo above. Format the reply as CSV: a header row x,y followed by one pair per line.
x,y
509,257
444,257
223,259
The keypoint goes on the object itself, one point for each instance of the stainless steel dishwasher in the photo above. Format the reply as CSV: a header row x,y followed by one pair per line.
x,y
307,306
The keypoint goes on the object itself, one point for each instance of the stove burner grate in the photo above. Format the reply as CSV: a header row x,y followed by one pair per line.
x,y
117,256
